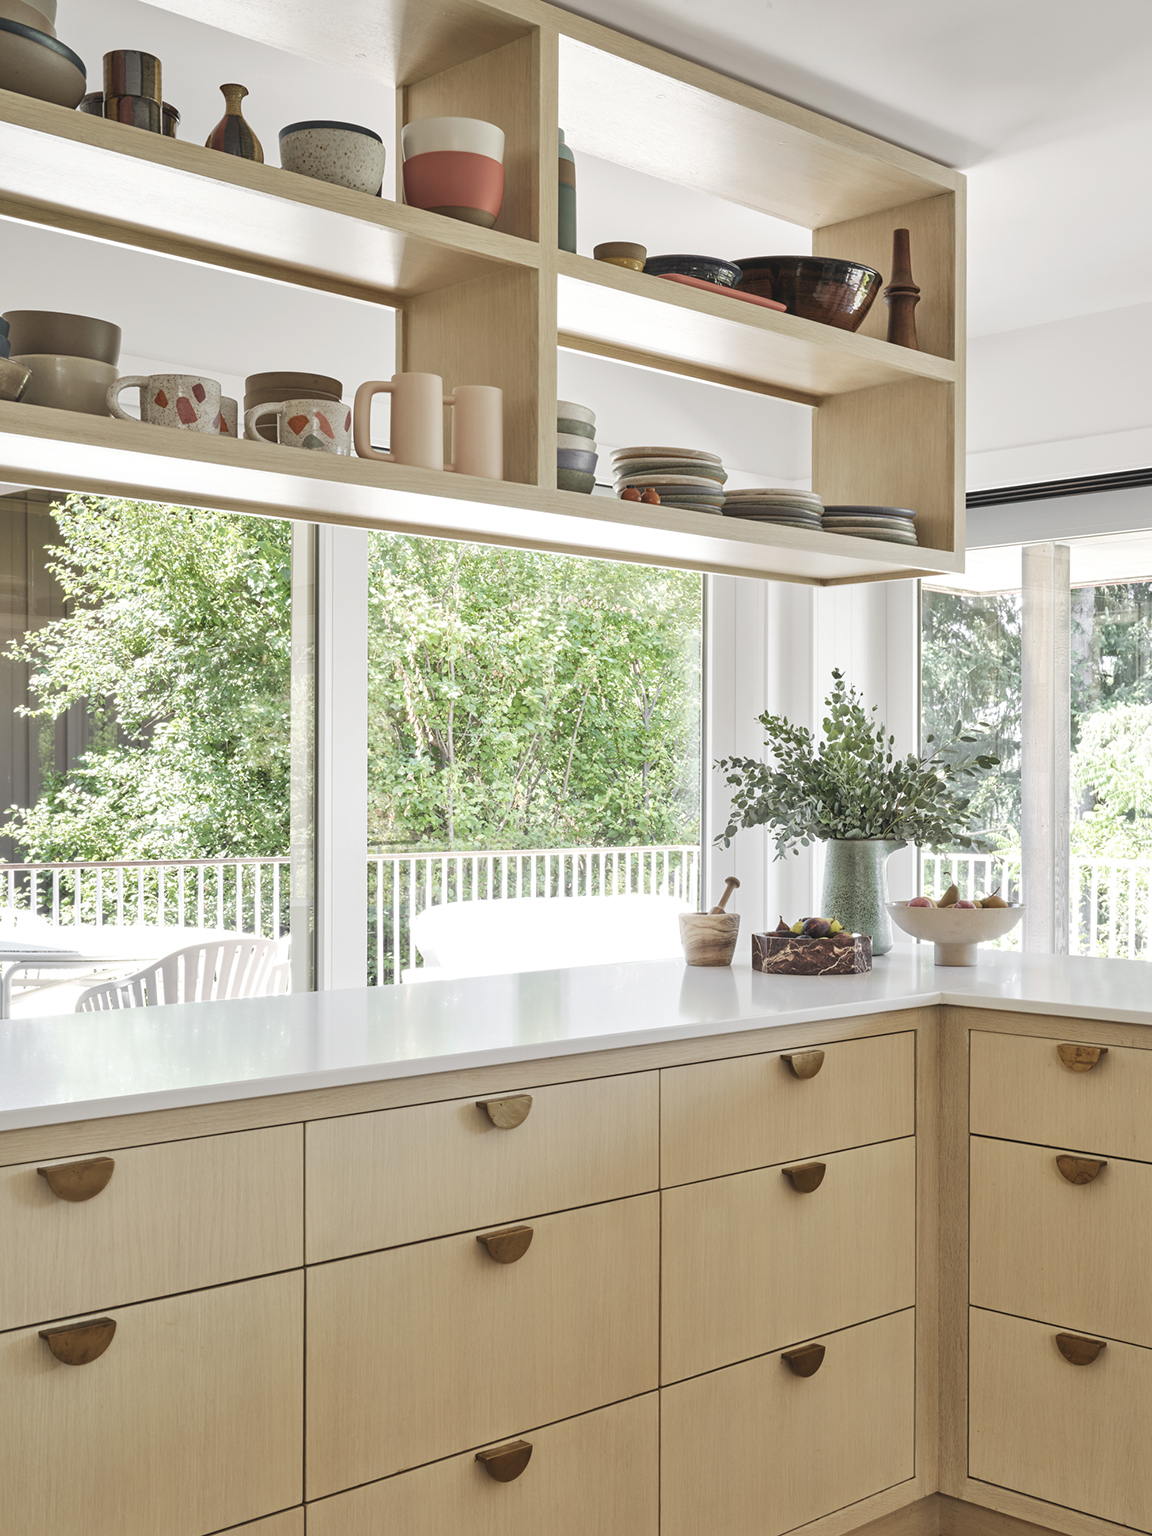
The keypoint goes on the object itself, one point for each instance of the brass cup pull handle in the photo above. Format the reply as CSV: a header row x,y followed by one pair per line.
x,y
508,1245
80,1343
1081,1058
504,1463
1080,1170
804,1063
1077,1350
805,1177
506,1114
805,1361
78,1181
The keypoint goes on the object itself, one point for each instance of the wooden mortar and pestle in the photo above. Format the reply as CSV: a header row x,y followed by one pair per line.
x,y
709,938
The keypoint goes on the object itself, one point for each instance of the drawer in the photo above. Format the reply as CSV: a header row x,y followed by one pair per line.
x,y
596,1473
751,1263
191,1420
755,1450
724,1116
173,1217
1068,1253
289,1523
400,1175
420,1352
1075,1435
1022,1091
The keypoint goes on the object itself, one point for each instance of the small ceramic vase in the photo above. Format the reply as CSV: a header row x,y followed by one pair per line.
x,y
567,231
856,886
232,135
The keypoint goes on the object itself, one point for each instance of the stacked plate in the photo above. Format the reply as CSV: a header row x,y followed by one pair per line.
x,y
770,504
681,477
576,455
893,524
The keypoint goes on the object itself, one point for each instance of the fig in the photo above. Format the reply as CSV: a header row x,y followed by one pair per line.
x,y
922,901
970,905
782,927
817,927
950,897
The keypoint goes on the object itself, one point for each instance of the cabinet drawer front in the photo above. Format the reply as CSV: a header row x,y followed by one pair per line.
x,y
1063,1252
1022,1091
172,1217
751,1263
724,1116
420,1352
400,1175
755,1450
595,1473
1075,1435
190,1421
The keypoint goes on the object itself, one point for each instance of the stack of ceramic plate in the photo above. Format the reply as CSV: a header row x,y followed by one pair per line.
x,y
681,477
771,504
893,524
576,455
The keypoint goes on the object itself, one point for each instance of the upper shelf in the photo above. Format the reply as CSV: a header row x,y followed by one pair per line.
x,y
629,315
120,184
60,450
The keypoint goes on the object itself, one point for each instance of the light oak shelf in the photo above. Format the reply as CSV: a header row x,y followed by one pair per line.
x,y
628,315
117,183
62,450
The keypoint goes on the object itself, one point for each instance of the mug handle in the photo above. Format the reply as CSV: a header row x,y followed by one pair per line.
x,y
362,419
253,416
451,400
129,381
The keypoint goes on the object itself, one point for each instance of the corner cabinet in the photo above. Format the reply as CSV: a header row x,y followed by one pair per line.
x,y
494,305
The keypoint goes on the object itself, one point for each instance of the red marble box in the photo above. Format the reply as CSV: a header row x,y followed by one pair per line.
x,y
791,954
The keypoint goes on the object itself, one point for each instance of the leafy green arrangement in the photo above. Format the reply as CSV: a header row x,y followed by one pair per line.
x,y
852,785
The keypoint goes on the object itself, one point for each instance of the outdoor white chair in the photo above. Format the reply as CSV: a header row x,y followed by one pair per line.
x,y
206,972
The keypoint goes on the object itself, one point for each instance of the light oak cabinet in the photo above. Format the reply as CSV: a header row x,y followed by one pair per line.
x,y
755,1260
722,1117
400,1175
1063,1237
596,1473
755,1450
420,1352
154,1228
189,1421
1075,1435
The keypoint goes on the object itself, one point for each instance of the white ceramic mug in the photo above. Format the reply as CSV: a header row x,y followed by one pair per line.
x,y
478,431
183,400
417,434
324,426
229,417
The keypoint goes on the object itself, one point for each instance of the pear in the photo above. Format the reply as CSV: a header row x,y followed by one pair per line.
x,y
950,897
797,928
995,900
835,926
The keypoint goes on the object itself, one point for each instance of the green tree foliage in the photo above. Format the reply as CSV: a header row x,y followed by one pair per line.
x,y
514,699
1112,780
523,700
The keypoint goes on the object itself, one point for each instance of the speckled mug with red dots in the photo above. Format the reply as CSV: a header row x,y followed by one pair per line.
x,y
183,400
325,426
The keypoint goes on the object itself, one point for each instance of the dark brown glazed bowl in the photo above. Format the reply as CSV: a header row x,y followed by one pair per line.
x,y
821,288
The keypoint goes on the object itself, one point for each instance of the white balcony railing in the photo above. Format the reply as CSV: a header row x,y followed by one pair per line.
x,y
252,895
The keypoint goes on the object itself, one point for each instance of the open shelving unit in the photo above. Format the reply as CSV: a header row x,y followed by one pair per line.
x,y
493,306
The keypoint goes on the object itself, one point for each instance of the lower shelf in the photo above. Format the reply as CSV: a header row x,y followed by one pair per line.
x,y
66,451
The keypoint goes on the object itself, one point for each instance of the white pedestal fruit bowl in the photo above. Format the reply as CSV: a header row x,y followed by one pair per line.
x,y
955,932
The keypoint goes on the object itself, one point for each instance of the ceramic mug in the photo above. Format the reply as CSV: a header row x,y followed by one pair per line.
x,y
320,425
183,400
229,416
417,434
477,431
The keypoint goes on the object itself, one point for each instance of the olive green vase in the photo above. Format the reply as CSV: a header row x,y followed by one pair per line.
x,y
856,886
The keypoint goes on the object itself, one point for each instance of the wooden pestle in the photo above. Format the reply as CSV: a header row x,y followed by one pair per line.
x,y
902,295
730,885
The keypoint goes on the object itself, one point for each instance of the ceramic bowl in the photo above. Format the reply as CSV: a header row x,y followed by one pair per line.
x,y
5,347
13,379
34,63
171,119
33,16
46,331
579,442
92,104
709,269
261,388
341,153
575,428
68,383
955,932
820,288
568,410
435,135
5,326
456,183
575,480
621,253
569,458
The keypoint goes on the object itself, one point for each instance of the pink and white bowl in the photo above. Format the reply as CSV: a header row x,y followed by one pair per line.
x,y
454,166
955,932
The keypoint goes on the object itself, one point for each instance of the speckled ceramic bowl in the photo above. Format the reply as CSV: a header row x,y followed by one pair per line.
x,y
341,153
34,64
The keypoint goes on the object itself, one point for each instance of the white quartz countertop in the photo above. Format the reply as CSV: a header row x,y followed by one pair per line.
x,y
81,1066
